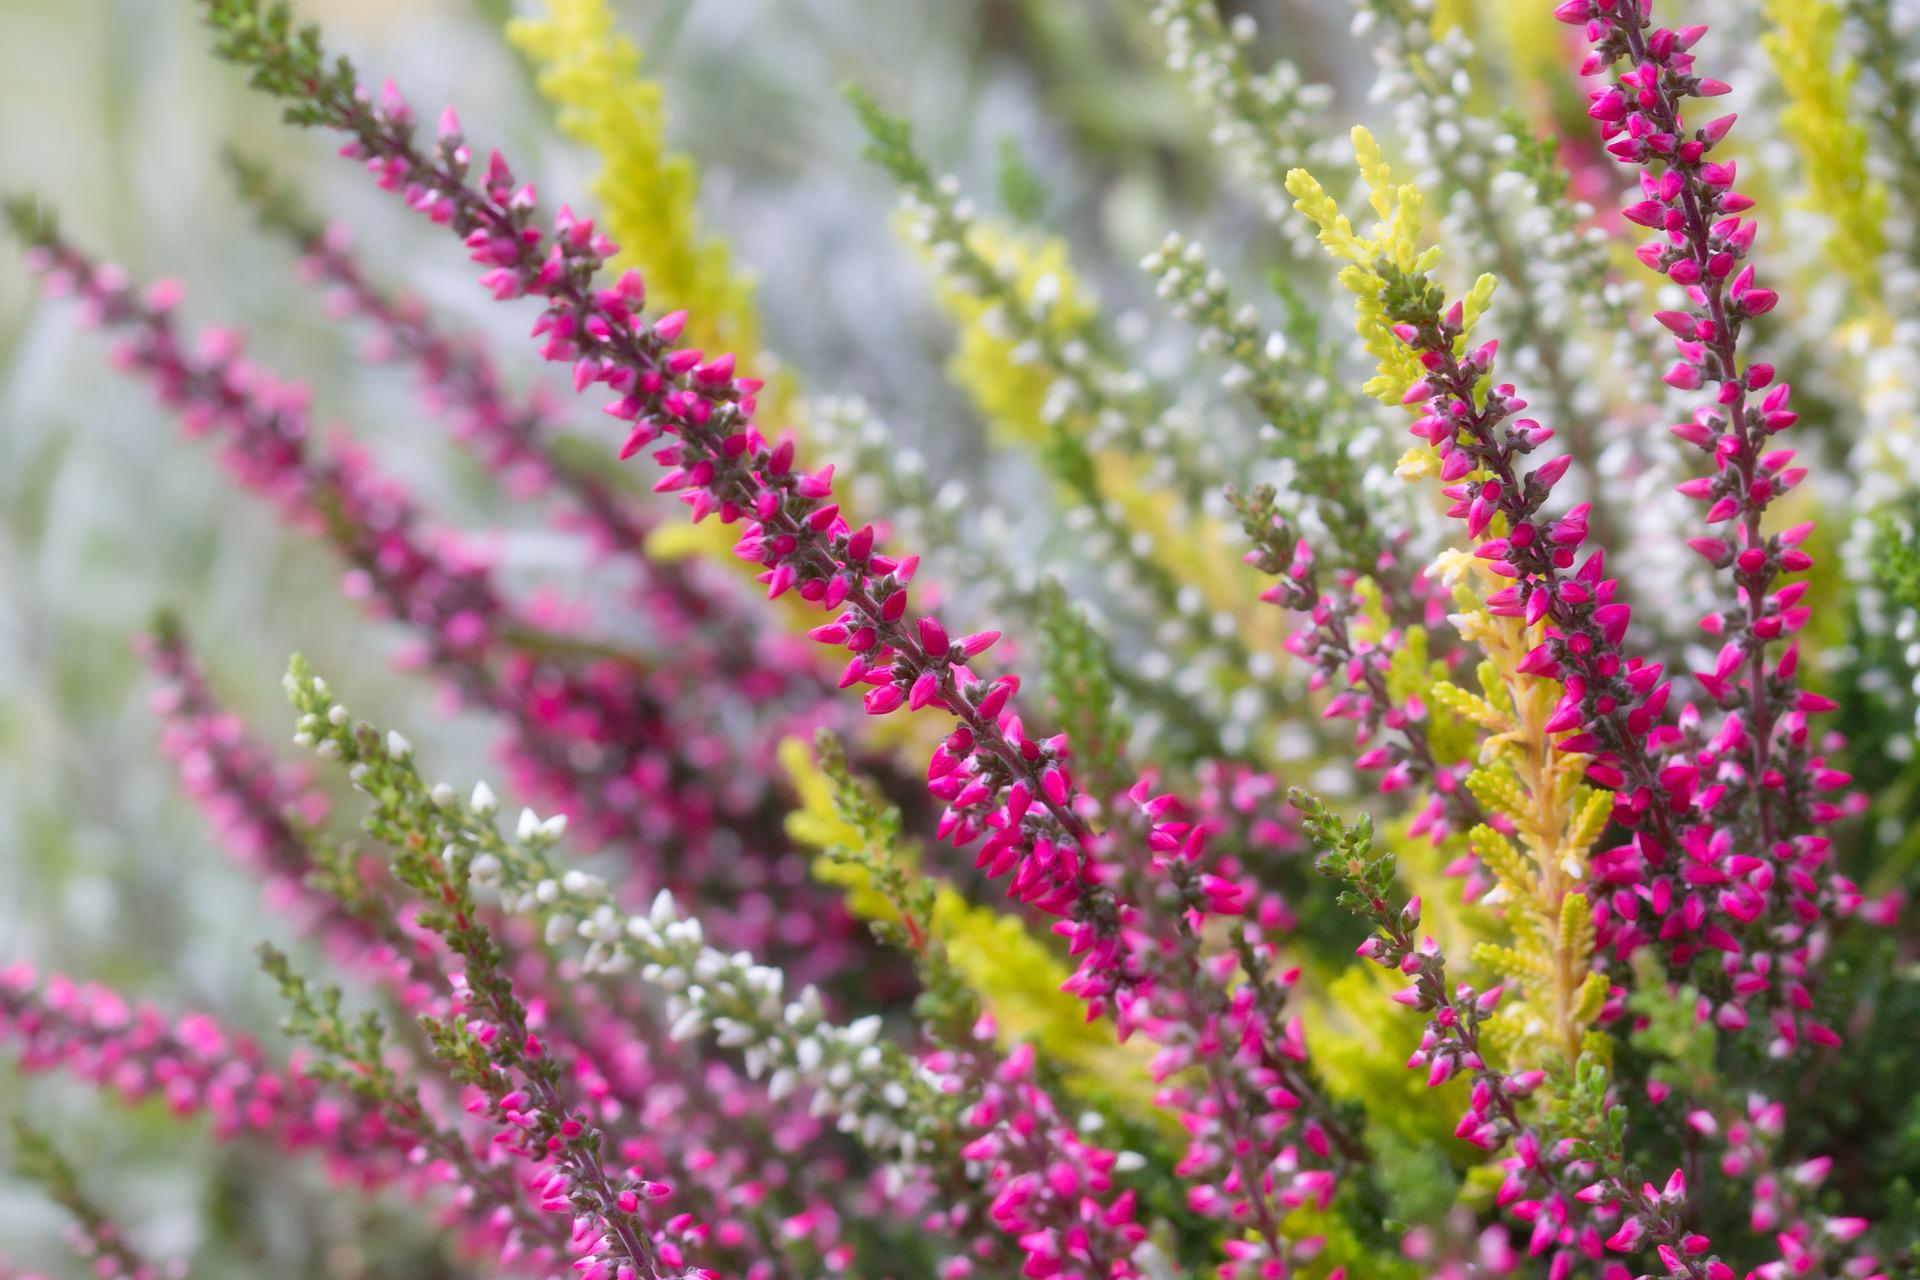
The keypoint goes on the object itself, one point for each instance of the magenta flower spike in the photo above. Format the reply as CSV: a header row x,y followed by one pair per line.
x,y
694,413
1039,964
1740,864
195,1067
591,730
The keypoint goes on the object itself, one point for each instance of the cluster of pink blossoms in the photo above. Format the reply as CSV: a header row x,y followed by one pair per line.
x,y
1391,733
1809,1241
761,1209
1045,1185
1570,1192
1753,876
196,1066
694,615
1721,854
1011,792
679,1111
1174,935
601,737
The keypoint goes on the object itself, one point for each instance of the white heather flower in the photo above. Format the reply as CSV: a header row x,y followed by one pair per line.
x,y
581,884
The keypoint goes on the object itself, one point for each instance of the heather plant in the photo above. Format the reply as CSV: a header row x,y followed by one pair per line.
x,y
1394,758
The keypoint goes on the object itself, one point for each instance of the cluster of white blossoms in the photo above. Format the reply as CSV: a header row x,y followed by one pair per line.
x,y
1267,122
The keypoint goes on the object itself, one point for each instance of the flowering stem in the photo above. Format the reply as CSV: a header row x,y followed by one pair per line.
x,y
353,1058
993,776
510,433
1329,645
1579,1176
95,1236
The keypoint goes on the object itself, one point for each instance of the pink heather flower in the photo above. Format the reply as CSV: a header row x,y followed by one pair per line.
x,y
591,733
1762,906
681,1108
1784,1209
1679,860
1047,1186
1391,735
1577,1209
196,1067
696,417
511,435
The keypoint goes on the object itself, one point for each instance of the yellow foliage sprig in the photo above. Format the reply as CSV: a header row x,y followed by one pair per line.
x,y
1015,975
1390,257
1819,120
1549,820
647,192
1392,248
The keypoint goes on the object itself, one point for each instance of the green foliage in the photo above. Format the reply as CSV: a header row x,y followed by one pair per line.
x,y
1346,854
274,200
351,1050
96,1238
1022,190
1537,155
287,60
1896,559
1875,689
1409,297
1080,686
947,1005
889,140
1581,1115
37,1157
30,220
1682,1046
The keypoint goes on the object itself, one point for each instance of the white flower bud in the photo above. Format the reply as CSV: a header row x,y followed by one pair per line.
x,y
580,884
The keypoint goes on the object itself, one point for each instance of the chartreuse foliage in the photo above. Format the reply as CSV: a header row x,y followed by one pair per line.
x,y
1538,856
1386,258
1819,119
987,953
647,192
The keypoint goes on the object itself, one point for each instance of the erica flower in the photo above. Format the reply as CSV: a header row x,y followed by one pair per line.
x,y
1011,793
592,728
1571,1187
